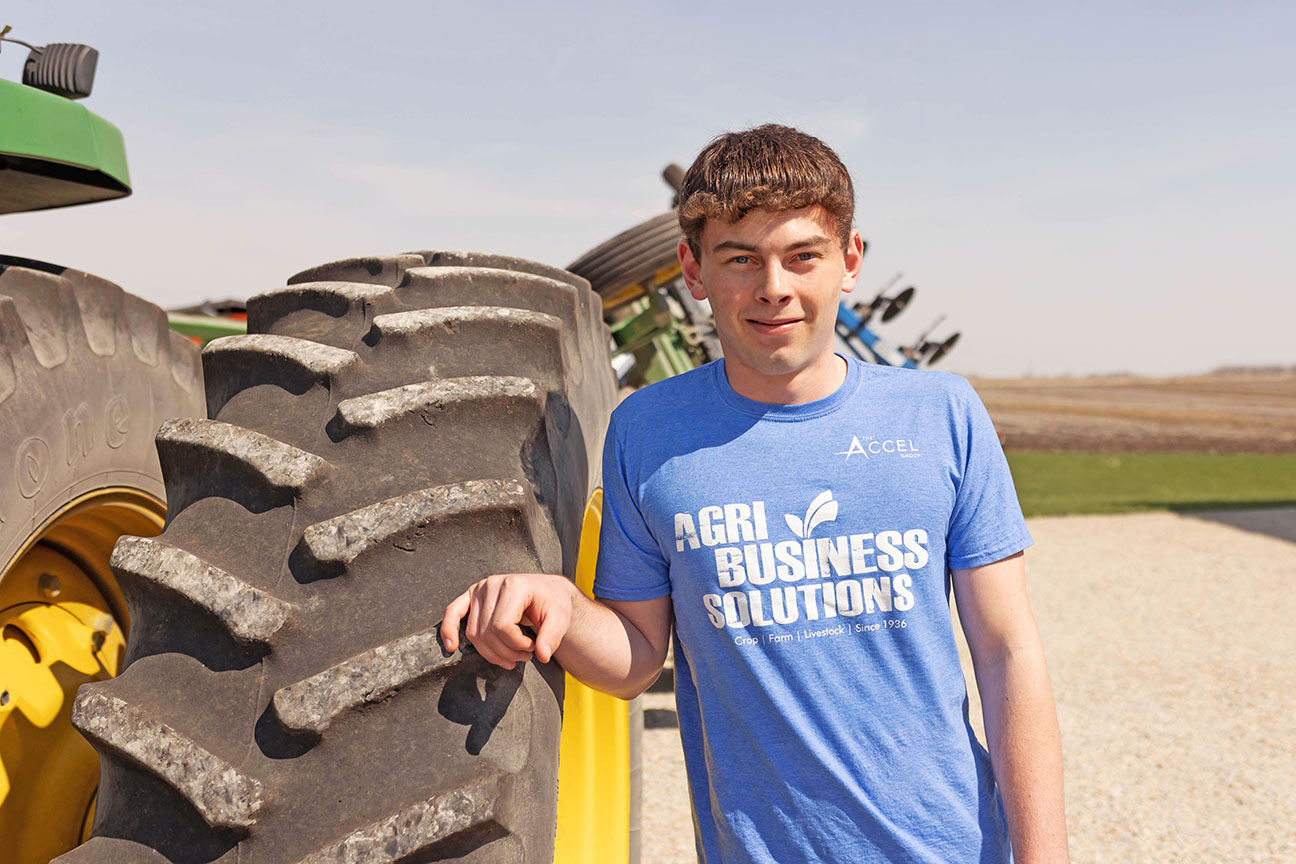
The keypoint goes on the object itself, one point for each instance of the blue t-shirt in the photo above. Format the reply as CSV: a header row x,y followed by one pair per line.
x,y
806,550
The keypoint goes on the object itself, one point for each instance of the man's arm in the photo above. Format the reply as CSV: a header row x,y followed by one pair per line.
x,y
612,645
1017,704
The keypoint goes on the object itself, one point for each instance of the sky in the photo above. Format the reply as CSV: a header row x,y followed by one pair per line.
x,y
1078,188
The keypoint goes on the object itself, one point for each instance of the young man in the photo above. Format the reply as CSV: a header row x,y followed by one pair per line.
x,y
800,518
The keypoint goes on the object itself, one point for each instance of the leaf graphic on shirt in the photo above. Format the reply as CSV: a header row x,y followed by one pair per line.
x,y
826,513
822,509
820,499
794,523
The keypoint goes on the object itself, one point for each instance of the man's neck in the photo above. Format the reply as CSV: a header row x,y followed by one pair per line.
x,y
817,381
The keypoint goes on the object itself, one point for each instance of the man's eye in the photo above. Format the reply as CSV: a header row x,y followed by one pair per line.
x,y
805,256
739,259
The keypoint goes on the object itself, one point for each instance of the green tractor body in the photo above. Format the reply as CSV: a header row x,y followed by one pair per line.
x,y
56,153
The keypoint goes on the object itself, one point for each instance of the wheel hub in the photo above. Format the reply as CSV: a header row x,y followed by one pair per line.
x,y
62,624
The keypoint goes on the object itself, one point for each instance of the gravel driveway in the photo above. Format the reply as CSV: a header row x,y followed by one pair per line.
x,y
1171,643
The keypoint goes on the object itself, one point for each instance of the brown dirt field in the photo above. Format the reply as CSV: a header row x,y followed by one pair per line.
x,y
1245,413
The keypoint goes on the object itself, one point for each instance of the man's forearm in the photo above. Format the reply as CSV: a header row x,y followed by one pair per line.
x,y
614,646
1025,749
606,651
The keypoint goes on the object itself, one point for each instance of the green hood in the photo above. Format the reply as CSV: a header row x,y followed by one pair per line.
x,y
55,153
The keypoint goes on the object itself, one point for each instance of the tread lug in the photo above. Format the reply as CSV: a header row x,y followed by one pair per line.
x,y
250,615
416,827
224,797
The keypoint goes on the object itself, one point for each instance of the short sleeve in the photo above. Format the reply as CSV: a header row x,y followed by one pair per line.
x,y
630,562
986,524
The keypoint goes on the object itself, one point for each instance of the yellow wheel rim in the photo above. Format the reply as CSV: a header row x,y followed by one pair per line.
x,y
62,623
594,756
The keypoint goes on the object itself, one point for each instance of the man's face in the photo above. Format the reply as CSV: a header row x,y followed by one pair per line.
x,y
774,279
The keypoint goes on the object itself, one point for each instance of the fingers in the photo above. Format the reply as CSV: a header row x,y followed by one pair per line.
x,y
510,608
553,619
492,610
489,627
454,614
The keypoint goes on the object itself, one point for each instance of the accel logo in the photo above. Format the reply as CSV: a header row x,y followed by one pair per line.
x,y
870,447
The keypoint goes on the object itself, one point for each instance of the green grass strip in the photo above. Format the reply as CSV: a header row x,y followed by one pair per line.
x,y
1055,484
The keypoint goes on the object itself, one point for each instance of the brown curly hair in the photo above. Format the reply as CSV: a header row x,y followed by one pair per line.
x,y
772,167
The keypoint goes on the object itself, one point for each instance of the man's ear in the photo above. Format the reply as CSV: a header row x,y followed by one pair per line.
x,y
854,261
692,271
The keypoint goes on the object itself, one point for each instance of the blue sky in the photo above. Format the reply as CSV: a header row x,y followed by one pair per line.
x,y
1079,188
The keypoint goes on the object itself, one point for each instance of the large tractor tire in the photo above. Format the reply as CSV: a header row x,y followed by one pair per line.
x,y
632,257
642,260
389,431
87,374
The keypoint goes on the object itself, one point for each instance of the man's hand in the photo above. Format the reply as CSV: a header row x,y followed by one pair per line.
x,y
496,607
614,646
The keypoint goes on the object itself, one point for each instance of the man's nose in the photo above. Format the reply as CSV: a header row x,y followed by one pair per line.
x,y
773,286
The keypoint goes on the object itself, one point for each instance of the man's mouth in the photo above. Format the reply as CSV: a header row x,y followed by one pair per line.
x,y
773,325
